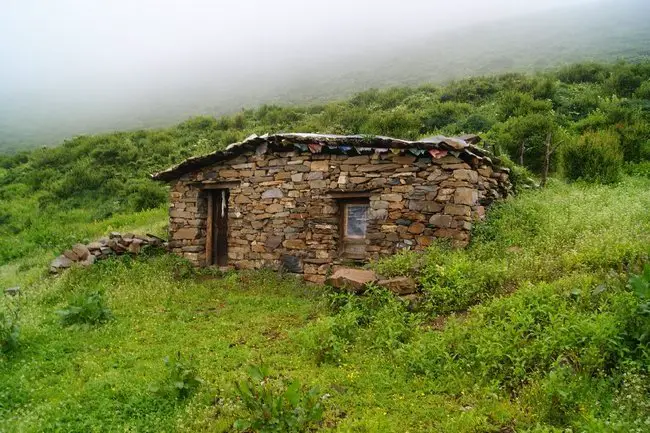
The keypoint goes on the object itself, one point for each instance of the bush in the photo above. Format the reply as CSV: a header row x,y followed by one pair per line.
x,y
582,73
596,158
643,92
530,131
638,169
86,308
9,329
275,406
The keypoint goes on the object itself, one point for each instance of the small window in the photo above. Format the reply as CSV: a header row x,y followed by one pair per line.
x,y
355,220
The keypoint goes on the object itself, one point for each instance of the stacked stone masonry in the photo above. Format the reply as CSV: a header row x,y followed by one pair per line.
x,y
286,204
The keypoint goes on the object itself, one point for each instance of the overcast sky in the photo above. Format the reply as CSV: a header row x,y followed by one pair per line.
x,y
50,44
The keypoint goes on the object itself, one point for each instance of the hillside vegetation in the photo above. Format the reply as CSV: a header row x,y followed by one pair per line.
x,y
559,342
541,325
604,30
99,176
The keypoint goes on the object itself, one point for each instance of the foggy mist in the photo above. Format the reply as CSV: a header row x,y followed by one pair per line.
x,y
83,66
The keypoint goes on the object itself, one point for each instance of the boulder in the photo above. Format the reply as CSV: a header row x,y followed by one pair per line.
x,y
71,255
88,261
135,246
81,251
94,246
61,262
12,291
113,235
351,279
399,285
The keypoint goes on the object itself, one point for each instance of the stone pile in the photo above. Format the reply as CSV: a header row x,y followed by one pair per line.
x,y
115,244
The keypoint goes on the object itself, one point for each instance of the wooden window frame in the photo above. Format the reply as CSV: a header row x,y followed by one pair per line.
x,y
345,219
343,238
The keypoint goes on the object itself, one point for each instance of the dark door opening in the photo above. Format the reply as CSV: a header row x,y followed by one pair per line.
x,y
219,225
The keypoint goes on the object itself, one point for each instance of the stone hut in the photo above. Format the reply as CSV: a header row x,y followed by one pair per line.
x,y
307,202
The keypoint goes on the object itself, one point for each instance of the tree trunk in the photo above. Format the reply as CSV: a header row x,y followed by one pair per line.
x,y
521,154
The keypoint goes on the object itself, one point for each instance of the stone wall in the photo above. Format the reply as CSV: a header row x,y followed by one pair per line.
x,y
281,205
115,244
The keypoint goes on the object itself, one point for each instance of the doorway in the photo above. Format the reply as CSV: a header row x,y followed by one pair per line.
x,y
217,241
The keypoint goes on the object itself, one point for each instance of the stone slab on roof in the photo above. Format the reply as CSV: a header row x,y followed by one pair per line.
x,y
464,145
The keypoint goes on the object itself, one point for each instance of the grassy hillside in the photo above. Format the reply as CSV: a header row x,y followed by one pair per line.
x,y
90,178
561,351
539,325
601,31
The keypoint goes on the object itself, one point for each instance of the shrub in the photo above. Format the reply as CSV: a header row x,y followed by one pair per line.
x,y
476,123
530,132
643,92
182,378
275,406
596,157
582,73
638,169
145,194
330,338
9,329
516,104
401,264
86,308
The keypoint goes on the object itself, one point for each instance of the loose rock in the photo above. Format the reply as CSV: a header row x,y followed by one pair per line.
x,y
351,279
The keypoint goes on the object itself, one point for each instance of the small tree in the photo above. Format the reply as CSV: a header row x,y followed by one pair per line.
x,y
596,157
524,138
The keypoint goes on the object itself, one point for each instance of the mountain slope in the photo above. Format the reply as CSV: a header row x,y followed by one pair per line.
x,y
606,30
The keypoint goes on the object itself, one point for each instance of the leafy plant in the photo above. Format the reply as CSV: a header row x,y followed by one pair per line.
x,y
640,285
275,406
182,378
86,308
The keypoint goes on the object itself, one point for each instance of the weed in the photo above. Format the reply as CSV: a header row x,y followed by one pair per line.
x,y
86,308
639,326
277,406
182,378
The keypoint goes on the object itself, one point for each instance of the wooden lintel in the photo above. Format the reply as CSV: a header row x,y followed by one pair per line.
x,y
349,194
218,185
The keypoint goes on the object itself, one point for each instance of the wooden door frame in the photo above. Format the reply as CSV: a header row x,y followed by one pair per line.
x,y
209,237
211,190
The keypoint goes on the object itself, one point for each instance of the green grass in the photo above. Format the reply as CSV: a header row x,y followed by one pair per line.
x,y
45,240
549,348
